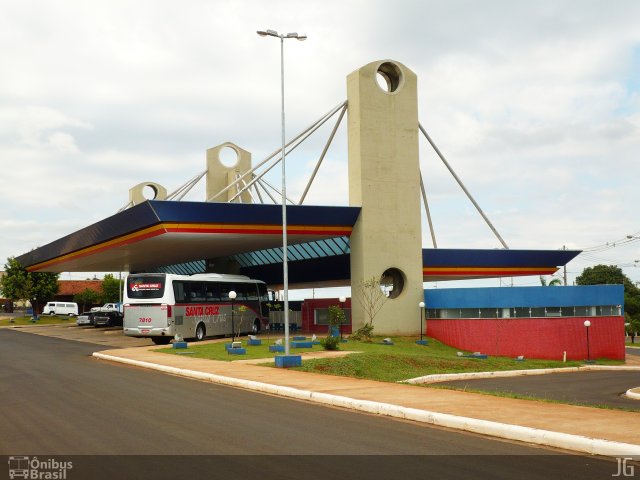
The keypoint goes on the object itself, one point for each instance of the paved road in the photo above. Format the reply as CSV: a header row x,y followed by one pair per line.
x,y
590,388
108,336
59,401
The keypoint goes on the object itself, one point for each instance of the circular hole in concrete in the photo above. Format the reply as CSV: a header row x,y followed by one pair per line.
x,y
228,157
149,192
392,282
389,77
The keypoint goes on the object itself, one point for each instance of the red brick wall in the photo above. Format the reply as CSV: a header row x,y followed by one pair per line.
x,y
534,337
308,308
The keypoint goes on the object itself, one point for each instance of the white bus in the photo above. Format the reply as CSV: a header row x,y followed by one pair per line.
x,y
161,305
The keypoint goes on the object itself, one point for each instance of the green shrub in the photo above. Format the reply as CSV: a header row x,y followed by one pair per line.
x,y
364,333
330,343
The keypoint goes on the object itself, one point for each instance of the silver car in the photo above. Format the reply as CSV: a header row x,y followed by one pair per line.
x,y
85,318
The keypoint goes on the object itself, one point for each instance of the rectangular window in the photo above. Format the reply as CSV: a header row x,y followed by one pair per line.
x,y
146,286
581,311
212,292
490,313
432,313
321,316
469,313
538,312
178,291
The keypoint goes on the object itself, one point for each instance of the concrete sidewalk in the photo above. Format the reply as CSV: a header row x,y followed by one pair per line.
x,y
582,429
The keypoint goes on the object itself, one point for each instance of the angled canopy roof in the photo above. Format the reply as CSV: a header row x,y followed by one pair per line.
x,y
177,237
157,233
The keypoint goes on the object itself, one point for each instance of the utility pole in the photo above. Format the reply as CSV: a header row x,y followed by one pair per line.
x,y
565,268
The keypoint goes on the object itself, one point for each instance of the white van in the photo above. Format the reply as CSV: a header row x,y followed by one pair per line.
x,y
60,308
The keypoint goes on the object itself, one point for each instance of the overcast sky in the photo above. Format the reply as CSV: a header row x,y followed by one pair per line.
x,y
535,104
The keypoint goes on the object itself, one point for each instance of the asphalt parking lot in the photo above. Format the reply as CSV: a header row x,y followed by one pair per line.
x,y
107,336
594,388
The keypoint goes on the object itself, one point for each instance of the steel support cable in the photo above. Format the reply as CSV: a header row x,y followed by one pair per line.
x,y
182,187
255,186
253,199
322,155
426,207
192,184
276,190
314,126
298,141
128,204
464,189
266,191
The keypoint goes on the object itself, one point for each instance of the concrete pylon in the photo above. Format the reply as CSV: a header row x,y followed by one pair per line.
x,y
137,196
219,175
384,179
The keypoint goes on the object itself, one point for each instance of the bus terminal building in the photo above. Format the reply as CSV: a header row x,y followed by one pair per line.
x,y
378,235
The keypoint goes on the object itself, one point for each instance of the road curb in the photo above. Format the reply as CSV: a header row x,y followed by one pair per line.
x,y
633,393
565,441
449,377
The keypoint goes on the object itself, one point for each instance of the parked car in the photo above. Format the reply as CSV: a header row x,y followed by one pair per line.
x,y
106,319
108,307
60,308
85,318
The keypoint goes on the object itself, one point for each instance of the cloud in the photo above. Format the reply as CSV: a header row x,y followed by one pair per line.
x,y
536,107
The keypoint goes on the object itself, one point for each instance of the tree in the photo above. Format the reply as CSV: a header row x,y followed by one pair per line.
x,y
111,288
86,297
607,275
613,275
554,282
35,287
631,326
370,296
336,318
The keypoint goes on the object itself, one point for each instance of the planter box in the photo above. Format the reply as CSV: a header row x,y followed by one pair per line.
x,y
237,351
287,361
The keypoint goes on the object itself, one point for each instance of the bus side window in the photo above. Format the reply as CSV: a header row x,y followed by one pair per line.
x,y
225,288
198,291
212,292
178,291
251,291
264,294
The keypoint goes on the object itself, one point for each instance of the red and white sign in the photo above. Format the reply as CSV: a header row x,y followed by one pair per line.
x,y
138,287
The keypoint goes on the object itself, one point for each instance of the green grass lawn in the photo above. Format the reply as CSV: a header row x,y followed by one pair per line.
x,y
44,320
401,361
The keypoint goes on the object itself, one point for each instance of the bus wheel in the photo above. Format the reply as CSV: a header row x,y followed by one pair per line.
x,y
161,340
256,326
200,332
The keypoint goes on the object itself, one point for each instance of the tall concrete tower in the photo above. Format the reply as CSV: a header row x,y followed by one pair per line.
x,y
384,179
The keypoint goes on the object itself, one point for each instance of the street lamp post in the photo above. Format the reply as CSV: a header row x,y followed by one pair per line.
x,y
421,341
342,300
285,266
587,324
232,297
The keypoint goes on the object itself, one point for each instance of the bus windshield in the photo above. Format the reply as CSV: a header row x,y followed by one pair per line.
x,y
146,285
